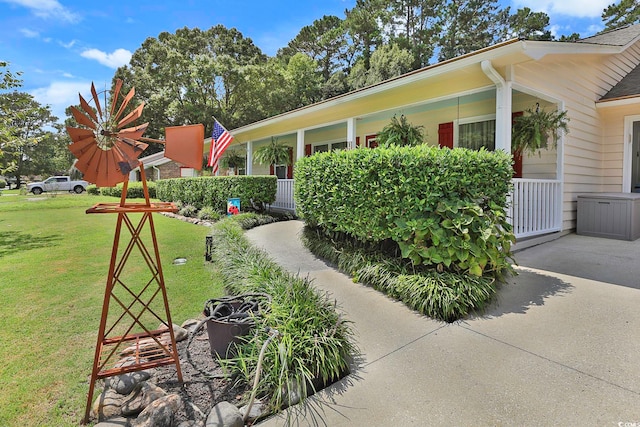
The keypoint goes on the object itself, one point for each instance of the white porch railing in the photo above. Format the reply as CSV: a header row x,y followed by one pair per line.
x,y
284,195
536,207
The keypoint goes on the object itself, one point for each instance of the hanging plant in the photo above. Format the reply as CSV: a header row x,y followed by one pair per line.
x,y
273,154
400,132
533,130
232,159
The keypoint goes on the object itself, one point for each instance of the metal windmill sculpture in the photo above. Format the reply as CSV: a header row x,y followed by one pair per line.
x,y
107,151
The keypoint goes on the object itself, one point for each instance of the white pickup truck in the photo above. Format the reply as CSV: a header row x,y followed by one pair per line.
x,y
57,183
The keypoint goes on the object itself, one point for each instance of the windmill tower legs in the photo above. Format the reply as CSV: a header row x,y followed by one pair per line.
x,y
126,342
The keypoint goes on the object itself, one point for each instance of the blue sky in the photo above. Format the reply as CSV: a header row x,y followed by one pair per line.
x,y
61,46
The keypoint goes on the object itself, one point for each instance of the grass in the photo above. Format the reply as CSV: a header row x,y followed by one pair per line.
x,y
53,266
315,346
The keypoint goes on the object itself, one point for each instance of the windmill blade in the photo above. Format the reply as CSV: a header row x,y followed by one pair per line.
x,y
138,146
124,104
132,116
78,148
129,150
82,119
133,132
78,134
87,163
114,98
110,172
126,161
96,100
87,108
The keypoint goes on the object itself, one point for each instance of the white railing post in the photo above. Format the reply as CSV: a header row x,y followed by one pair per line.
x,y
536,206
284,195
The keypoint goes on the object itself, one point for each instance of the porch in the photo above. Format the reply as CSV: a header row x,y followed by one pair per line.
x,y
535,208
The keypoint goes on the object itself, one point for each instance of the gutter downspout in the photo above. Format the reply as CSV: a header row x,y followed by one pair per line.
x,y
503,106
158,170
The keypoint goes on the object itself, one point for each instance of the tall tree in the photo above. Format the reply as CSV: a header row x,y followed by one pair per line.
x,y
414,25
192,76
362,24
8,80
324,41
469,25
526,24
618,15
387,61
28,121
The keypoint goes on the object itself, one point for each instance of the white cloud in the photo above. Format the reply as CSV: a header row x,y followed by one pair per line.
x,y
29,33
60,95
67,45
47,9
576,8
117,58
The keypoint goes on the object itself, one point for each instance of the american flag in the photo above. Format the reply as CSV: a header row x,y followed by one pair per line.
x,y
220,140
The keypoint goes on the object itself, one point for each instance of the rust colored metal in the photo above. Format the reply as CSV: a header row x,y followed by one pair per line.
x,y
142,346
106,153
105,149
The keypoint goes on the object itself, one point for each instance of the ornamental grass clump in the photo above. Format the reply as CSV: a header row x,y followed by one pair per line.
x,y
315,345
444,296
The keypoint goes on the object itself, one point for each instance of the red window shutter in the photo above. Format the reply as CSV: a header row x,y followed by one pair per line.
x,y
271,170
307,149
517,155
370,140
290,165
445,135
357,141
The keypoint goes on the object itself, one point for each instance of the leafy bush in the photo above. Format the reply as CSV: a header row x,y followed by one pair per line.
x,y
188,211
444,296
253,191
135,190
3,184
315,345
209,214
444,208
93,190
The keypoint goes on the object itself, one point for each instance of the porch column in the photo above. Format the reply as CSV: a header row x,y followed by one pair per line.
x,y
300,144
503,106
249,168
351,133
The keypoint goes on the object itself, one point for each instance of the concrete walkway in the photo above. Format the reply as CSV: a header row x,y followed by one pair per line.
x,y
555,349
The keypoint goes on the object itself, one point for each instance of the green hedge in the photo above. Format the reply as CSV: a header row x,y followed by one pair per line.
x,y
134,190
253,191
444,208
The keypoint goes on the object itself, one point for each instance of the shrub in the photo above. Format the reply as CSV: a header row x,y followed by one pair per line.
x,y
188,211
135,190
253,191
444,208
3,184
209,214
93,190
315,345
444,296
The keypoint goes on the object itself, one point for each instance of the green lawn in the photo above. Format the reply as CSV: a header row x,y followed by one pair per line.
x,y
54,262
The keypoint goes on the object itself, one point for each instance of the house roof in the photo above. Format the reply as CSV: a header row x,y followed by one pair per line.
x,y
627,87
618,37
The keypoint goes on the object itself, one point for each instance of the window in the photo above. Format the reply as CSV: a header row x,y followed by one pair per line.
x,y
321,148
475,135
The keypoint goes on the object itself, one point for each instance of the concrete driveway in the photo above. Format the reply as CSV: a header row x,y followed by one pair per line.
x,y
560,345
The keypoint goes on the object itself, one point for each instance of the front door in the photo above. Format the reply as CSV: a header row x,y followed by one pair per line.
x,y
635,157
